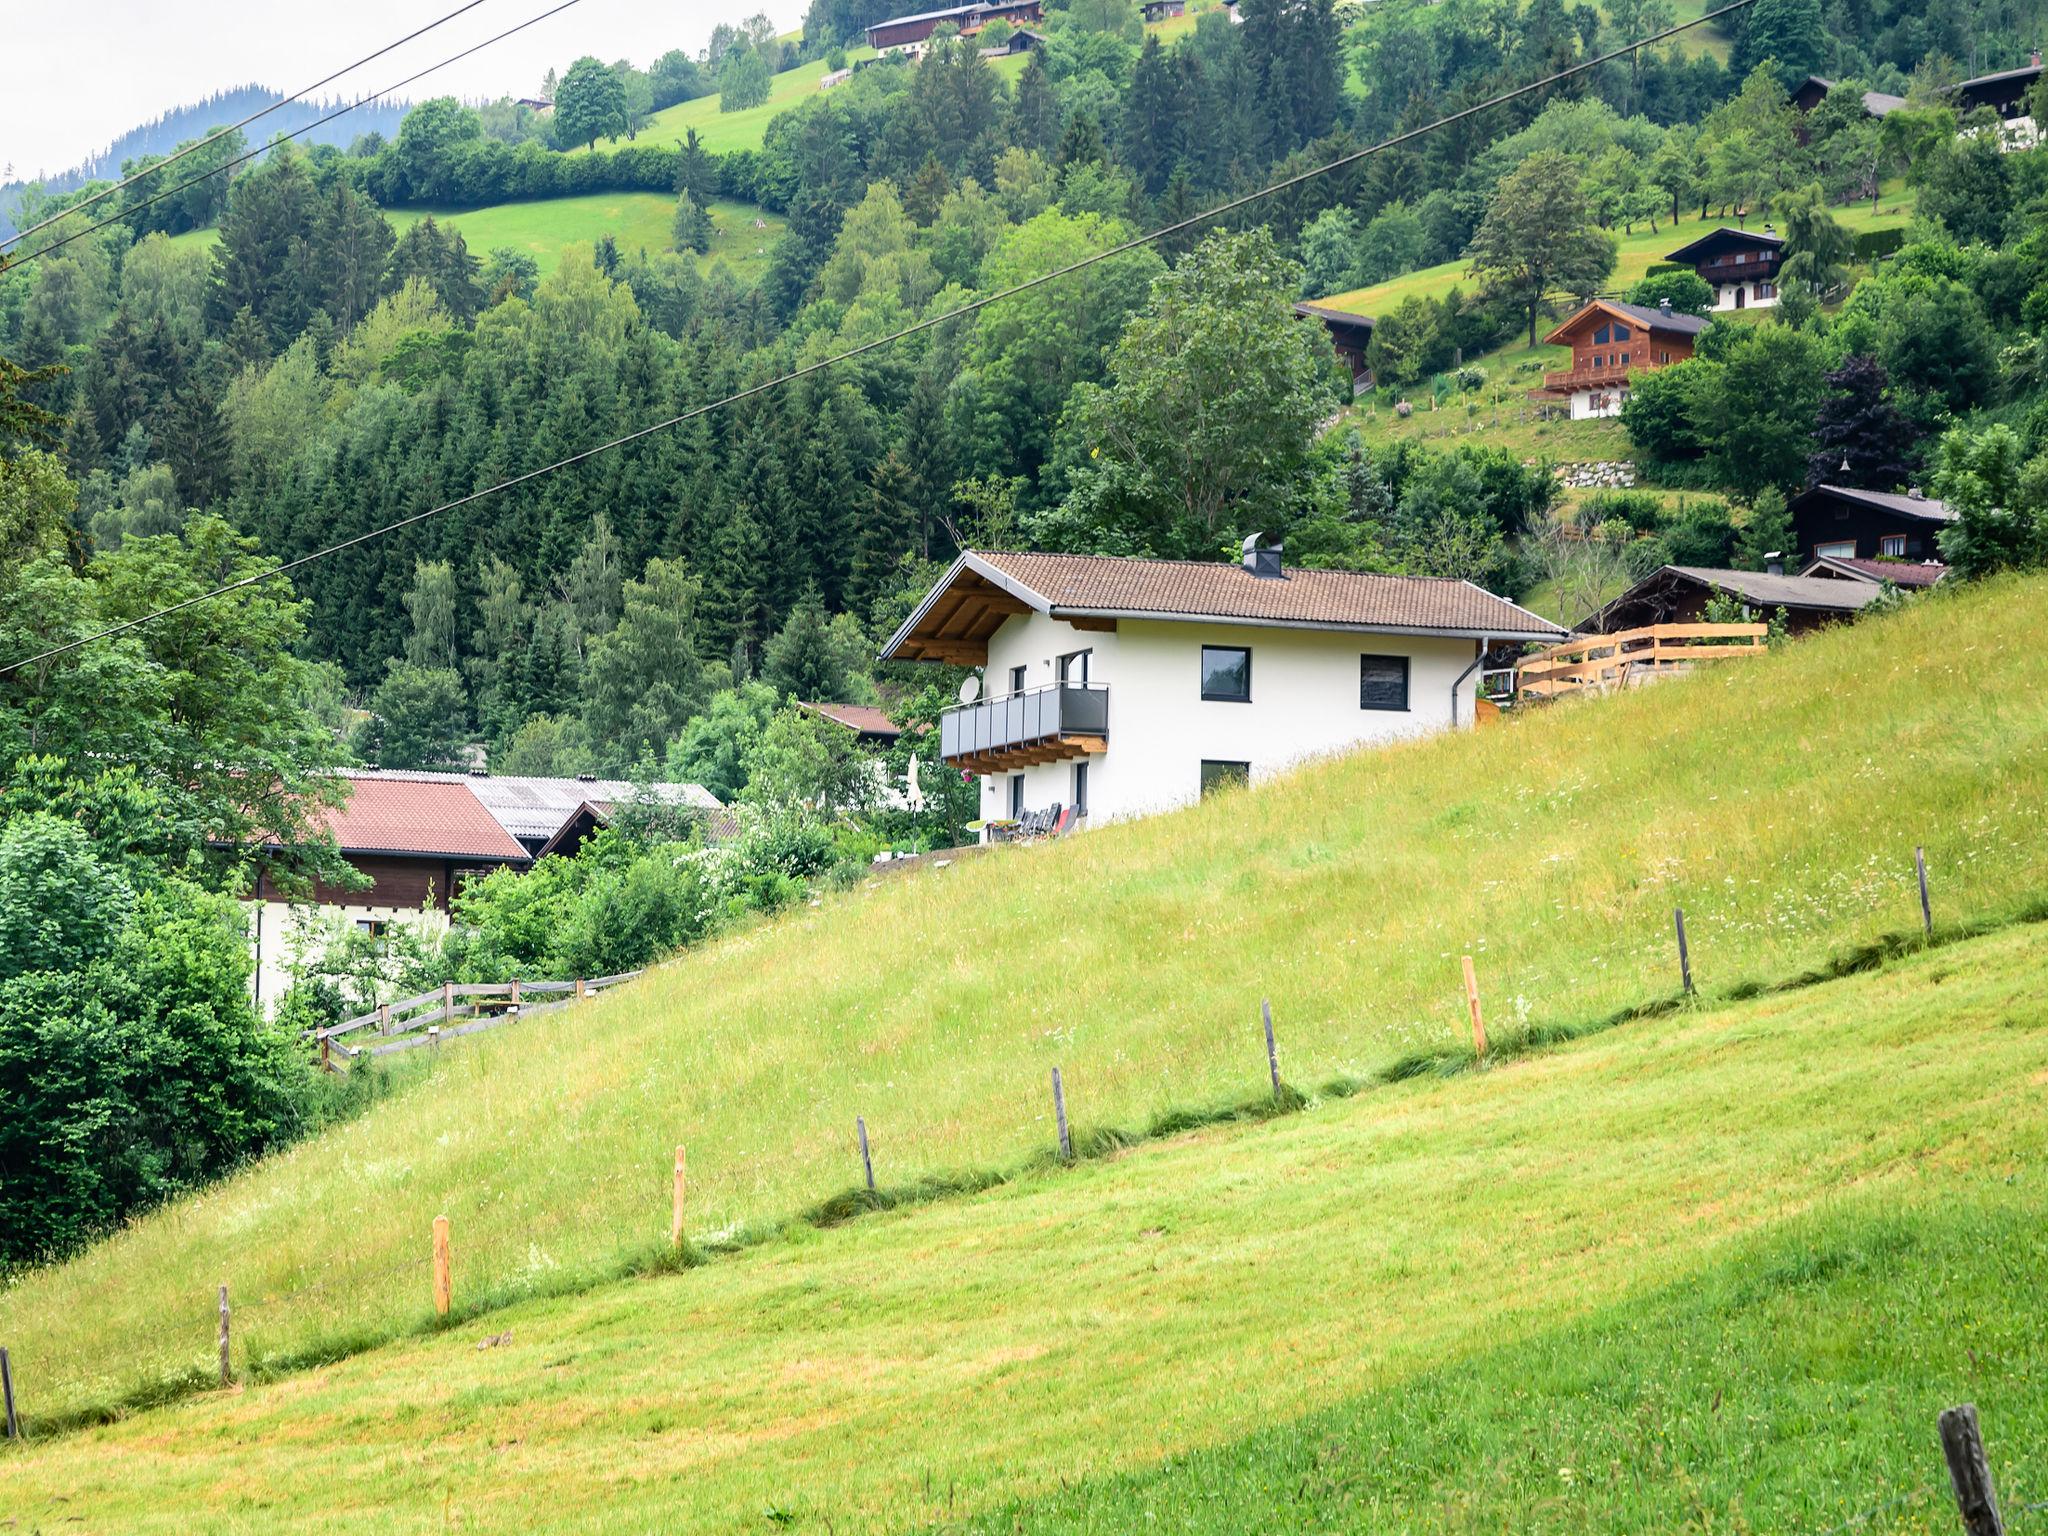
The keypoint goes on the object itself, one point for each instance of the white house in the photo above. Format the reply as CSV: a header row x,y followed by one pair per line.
x,y
1118,687
1740,265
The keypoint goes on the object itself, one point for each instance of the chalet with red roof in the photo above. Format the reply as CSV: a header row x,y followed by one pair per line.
x,y
1611,343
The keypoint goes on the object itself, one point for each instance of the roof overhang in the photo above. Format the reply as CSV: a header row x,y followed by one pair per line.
x,y
967,605
1724,235
1546,631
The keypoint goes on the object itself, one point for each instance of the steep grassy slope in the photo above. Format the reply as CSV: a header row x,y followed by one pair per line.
x,y
636,220
1714,1271
1778,801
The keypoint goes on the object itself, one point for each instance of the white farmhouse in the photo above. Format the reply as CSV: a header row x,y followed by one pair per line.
x,y
1118,687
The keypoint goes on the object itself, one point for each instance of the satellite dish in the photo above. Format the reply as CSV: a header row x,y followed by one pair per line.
x,y
970,689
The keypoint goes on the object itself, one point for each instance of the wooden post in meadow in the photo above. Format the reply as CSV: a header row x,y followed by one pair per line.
x,y
1684,958
579,989
447,1001
326,1063
675,1225
1472,1002
867,1163
444,1287
1926,910
383,1018
515,994
1969,1471
7,1390
1059,1113
1272,1050
227,1374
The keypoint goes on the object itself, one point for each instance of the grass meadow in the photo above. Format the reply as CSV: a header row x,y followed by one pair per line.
x,y
1713,1271
544,229
1778,801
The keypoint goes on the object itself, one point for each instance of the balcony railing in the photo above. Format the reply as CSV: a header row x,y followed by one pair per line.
x,y
1037,725
1609,377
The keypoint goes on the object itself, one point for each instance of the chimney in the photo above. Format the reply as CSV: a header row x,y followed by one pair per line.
x,y
2035,61
1774,563
1261,558
1664,308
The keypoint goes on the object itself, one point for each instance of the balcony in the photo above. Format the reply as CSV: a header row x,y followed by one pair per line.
x,y
1018,730
1612,377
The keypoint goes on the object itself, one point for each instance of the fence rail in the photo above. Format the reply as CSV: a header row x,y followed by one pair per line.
x,y
450,1010
1600,662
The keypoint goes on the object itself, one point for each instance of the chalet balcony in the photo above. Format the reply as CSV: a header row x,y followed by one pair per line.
x,y
1610,377
1017,730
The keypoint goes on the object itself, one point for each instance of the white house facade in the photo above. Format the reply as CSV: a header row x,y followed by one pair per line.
x,y
1117,687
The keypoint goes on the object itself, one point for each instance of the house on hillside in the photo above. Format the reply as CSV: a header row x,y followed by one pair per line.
x,y
1161,10
1847,523
1913,575
1115,687
1350,334
1813,90
2004,92
418,836
872,728
1740,265
1612,342
910,34
1679,594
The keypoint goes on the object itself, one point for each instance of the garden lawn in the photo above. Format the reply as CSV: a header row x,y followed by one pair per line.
x,y
1778,801
1715,1271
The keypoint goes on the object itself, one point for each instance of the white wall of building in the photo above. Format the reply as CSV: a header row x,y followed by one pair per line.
x,y
1590,403
282,932
1304,704
1725,295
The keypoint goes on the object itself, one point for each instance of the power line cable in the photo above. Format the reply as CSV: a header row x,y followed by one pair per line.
x,y
228,165
1121,248
219,134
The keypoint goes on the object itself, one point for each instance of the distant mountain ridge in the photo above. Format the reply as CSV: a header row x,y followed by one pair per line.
x,y
163,134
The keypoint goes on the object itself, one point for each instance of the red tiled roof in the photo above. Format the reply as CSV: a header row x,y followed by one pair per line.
x,y
426,818
862,718
1190,589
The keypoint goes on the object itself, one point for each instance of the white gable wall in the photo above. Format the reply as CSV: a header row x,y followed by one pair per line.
x,y
1304,704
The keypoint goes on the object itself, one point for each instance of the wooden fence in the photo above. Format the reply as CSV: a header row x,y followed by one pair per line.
x,y
1600,662
427,1018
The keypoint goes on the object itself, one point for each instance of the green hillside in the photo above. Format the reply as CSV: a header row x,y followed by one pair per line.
x,y
1778,801
1723,1266
636,220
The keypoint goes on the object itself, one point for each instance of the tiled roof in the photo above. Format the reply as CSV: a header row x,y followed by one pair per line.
x,y
431,818
1721,236
536,807
1926,507
1900,573
1110,586
862,718
1659,320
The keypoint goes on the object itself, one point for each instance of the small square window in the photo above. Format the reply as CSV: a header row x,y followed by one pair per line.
x,y
1218,775
1227,674
1892,544
1383,682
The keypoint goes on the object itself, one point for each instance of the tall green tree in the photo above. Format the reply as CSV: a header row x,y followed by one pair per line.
x,y
644,679
590,104
1538,240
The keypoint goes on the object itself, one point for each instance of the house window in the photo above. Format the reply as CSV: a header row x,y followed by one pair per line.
x,y
1218,775
1383,682
1893,544
1016,796
1600,336
1622,333
1073,667
1766,290
375,927
1227,673
1016,679
1840,549
1080,789
1624,359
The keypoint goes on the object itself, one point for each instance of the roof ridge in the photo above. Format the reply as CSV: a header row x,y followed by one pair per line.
x,y
1221,565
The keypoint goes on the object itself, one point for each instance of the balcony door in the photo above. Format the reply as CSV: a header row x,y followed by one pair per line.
x,y
1073,667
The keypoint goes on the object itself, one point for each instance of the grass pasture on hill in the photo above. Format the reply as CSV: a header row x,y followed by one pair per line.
x,y
545,228
1778,801
1713,1271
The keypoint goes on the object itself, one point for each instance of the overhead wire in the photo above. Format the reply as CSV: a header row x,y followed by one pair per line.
x,y
1121,247
10,263
236,127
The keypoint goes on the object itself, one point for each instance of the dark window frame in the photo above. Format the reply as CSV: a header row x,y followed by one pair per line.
x,y
1226,773
1018,676
1081,787
1407,683
1016,796
1202,676
1062,666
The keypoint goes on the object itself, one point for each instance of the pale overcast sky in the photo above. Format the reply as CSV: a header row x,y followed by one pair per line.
x,y
78,73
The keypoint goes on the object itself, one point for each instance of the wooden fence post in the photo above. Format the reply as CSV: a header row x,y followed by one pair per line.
x,y
515,994
1926,910
444,1288
867,1163
326,1065
1059,1112
447,1001
383,1018
1969,1472
1684,958
675,1226
7,1390
1472,1002
226,1372
579,989
1272,1050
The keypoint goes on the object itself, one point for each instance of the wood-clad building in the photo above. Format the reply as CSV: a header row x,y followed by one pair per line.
x,y
1350,334
1849,523
1740,265
909,34
1679,594
1611,343
2004,91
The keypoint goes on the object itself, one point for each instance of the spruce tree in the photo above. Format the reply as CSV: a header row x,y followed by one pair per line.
x,y
1768,531
692,230
884,533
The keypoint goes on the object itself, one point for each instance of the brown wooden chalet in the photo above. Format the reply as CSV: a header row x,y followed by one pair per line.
x,y
415,838
1679,594
1813,90
1611,341
1740,265
2005,92
1847,522
913,32
1350,335
1162,10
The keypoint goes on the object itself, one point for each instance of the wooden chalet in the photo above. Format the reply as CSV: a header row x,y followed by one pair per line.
x,y
1162,10
1813,90
871,727
1679,594
1350,334
1611,342
1910,574
909,34
1849,523
2005,92
1740,265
